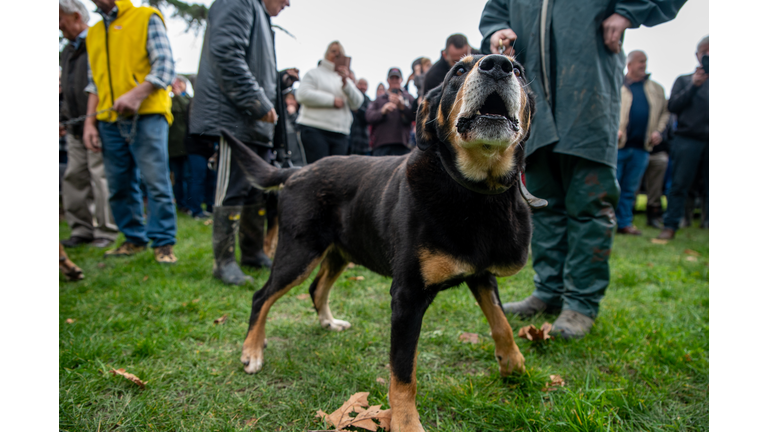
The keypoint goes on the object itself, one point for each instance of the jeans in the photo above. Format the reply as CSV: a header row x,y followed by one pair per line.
x,y
688,155
202,184
630,168
180,168
148,154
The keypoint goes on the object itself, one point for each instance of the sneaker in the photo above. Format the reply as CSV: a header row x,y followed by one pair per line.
x,y
164,254
125,249
572,325
528,307
75,241
203,215
101,242
666,234
631,230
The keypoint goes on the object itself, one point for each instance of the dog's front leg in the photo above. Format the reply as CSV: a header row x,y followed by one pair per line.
x,y
486,291
408,306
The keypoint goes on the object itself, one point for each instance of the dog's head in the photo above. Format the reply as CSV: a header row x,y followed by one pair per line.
x,y
482,114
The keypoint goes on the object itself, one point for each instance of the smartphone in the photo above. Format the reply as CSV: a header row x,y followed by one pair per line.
x,y
343,61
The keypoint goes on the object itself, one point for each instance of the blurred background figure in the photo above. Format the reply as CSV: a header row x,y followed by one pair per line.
x,y
390,116
298,157
177,152
380,90
456,47
359,137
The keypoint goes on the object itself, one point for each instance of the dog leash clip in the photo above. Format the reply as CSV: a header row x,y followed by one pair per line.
x,y
533,202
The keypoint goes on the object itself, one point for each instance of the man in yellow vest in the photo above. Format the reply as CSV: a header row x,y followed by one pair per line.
x,y
130,69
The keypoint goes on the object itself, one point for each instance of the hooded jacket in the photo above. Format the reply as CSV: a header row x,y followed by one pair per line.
x,y
237,78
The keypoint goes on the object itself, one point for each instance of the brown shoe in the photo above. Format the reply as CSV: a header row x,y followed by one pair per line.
x,y
125,249
666,234
631,230
164,254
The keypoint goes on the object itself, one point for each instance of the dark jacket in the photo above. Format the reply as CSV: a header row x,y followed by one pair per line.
x,y
237,77
178,130
74,79
691,104
395,126
359,139
435,75
577,91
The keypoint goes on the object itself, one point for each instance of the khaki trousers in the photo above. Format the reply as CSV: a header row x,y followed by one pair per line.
x,y
654,177
85,193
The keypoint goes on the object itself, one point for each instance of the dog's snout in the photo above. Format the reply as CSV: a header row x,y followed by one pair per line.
x,y
496,66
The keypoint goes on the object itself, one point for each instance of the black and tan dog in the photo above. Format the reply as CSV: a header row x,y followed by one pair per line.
x,y
448,213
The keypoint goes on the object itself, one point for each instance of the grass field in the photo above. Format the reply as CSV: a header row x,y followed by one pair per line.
x,y
643,367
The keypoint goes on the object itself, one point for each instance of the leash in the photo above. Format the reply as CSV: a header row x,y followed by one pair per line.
x,y
129,135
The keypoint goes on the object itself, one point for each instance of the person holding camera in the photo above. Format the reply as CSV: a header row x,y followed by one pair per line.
x,y
328,96
390,117
690,145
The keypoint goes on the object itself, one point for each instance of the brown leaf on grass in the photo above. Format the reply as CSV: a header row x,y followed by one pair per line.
x,y
196,300
356,278
555,381
691,258
302,296
341,418
208,222
351,265
688,357
128,376
220,320
650,264
70,321
468,338
145,278
364,420
252,422
381,381
101,265
691,252
356,403
659,241
533,334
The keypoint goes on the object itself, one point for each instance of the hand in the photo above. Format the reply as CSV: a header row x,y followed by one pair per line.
x,y
397,100
91,137
389,106
621,134
343,72
128,103
270,117
613,29
700,77
338,102
62,130
292,76
507,37
655,138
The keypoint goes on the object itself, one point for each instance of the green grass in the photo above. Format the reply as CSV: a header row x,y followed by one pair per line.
x,y
644,366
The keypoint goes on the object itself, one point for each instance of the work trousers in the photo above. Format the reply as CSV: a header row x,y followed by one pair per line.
x,y
654,177
573,235
202,184
689,156
148,154
319,143
232,186
86,194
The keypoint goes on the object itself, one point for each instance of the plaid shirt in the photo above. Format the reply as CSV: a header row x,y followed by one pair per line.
x,y
158,49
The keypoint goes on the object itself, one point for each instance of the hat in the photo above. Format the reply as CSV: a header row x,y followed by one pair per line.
x,y
396,72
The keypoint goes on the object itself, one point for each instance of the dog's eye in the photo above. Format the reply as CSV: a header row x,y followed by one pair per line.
x,y
516,71
460,71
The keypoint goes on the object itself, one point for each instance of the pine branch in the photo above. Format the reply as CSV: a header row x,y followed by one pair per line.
x,y
194,14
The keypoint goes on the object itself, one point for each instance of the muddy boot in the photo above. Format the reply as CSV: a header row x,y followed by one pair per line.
x,y
528,307
572,325
226,221
252,238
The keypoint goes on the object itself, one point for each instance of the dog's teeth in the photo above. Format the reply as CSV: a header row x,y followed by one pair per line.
x,y
478,112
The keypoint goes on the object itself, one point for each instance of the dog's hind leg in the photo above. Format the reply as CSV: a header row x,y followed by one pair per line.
x,y
290,269
330,269
486,292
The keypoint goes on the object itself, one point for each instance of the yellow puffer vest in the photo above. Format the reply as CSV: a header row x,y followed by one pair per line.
x,y
119,60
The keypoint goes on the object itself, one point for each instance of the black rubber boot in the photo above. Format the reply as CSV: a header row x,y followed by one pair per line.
x,y
653,214
252,237
226,221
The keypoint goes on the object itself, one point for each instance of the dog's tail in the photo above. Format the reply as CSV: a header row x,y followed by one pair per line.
x,y
259,173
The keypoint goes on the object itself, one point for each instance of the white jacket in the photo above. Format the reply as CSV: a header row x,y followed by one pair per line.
x,y
316,93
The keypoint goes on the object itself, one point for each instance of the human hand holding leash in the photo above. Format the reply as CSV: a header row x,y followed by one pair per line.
x,y
130,102
699,77
613,29
655,138
270,117
502,40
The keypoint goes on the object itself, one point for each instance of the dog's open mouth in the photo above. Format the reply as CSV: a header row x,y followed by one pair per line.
x,y
494,109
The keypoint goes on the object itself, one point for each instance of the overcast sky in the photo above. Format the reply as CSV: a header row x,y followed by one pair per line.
x,y
382,34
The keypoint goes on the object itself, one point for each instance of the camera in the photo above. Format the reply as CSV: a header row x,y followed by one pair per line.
x,y
705,63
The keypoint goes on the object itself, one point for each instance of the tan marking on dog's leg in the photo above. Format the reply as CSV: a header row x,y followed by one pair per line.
x,y
325,280
253,347
507,353
270,241
437,267
402,400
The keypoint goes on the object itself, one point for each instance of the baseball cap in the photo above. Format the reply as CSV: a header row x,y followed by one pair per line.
x,y
394,71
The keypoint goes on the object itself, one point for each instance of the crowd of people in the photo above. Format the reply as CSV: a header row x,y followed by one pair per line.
x,y
149,138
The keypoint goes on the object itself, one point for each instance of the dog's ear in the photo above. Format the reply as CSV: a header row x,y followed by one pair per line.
x,y
426,127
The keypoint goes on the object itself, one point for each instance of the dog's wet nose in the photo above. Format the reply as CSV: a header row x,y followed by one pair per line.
x,y
496,66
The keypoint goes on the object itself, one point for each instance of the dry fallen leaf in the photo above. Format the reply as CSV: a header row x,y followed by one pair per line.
x,y
196,300
356,403
468,338
356,278
688,357
691,258
555,381
533,334
220,320
302,296
659,241
70,320
101,265
691,252
650,264
351,265
128,376
341,418
208,222
145,278
381,381
252,422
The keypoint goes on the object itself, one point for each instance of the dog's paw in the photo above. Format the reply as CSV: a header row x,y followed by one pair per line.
x,y
335,325
405,425
252,362
514,364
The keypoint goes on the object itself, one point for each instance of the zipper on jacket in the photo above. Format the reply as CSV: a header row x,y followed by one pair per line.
x,y
543,38
109,69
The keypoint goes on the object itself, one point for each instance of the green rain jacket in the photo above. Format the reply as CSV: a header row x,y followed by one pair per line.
x,y
578,99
